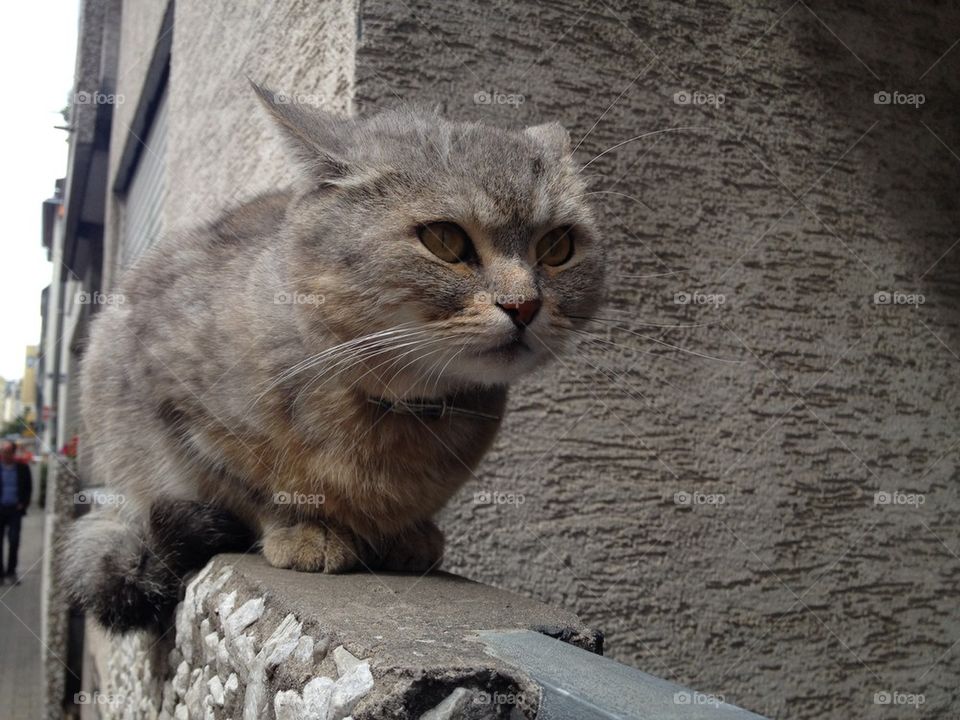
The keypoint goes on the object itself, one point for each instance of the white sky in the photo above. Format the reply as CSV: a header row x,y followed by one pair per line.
x,y
37,49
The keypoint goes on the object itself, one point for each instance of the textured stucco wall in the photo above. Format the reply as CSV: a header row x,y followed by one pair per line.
x,y
300,46
796,200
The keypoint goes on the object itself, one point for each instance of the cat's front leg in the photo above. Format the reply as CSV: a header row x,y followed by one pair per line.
x,y
309,547
417,549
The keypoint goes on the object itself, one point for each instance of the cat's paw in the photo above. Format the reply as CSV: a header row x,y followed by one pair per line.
x,y
312,548
419,549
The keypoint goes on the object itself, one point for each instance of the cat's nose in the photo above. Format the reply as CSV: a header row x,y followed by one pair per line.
x,y
522,313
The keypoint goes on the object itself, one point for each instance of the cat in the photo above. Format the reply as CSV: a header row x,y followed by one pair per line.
x,y
315,373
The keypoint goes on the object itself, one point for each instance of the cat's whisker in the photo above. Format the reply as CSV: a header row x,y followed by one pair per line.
x,y
349,351
617,379
329,372
654,275
435,341
444,368
360,358
633,367
619,194
678,348
604,344
593,176
309,362
429,371
594,318
304,364
362,355
597,340
389,362
405,330
639,137
411,362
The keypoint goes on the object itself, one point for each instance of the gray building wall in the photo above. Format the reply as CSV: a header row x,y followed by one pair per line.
x,y
297,45
783,585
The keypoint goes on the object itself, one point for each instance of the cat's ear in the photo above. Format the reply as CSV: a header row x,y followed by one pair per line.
x,y
553,136
318,139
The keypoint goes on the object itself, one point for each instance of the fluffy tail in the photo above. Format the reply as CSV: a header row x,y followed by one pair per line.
x,y
129,577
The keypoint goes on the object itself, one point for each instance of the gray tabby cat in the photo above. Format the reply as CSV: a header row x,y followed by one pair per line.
x,y
320,370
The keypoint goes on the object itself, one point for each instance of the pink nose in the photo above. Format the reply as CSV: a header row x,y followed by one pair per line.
x,y
522,313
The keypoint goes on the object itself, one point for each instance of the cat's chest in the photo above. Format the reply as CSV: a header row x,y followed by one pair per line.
x,y
407,431
424,440
394,467
395,455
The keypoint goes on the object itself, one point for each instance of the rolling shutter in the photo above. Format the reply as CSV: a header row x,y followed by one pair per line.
x,y
143,218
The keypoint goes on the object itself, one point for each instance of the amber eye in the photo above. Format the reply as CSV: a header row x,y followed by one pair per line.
x,y
447,240
556,247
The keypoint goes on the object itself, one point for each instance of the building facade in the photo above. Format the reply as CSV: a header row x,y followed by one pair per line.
x,y
12,407
28,388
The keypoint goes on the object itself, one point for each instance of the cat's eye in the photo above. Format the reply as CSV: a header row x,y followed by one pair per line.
x,y
447,240
556,247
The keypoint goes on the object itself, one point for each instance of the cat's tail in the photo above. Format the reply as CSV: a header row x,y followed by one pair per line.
x,y
129,575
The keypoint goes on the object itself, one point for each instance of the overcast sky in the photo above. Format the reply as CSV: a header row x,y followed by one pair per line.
x,y
37,50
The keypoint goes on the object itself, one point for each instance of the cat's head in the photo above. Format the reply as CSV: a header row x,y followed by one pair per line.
x,y
470,248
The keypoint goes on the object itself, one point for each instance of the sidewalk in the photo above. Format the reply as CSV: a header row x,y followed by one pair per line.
x,y
20,627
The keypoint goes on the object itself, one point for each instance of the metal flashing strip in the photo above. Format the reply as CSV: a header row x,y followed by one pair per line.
x,y
579,685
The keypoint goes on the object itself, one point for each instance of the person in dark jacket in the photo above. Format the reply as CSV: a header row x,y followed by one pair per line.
x,y
16,485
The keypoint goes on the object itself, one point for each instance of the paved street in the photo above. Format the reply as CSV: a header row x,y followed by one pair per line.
x,y
20,628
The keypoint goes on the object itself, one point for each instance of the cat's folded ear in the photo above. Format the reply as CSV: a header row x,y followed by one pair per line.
x,y
553,136
318,139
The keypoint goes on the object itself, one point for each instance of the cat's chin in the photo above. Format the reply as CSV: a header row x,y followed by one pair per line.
x,y
502,366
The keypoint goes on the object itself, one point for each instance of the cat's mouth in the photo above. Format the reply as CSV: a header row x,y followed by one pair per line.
x,y
512,348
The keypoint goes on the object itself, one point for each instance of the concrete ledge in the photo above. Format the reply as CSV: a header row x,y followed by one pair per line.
x,y
252,641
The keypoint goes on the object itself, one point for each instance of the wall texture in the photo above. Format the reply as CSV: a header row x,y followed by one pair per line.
x,y
796,199
228,154
713,509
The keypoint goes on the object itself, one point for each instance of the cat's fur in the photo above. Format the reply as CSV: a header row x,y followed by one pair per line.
x,y
196,389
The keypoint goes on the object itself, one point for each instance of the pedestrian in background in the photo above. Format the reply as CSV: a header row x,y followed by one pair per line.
x,y
16,485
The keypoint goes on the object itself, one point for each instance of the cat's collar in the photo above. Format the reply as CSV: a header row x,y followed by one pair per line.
x,y
431,408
